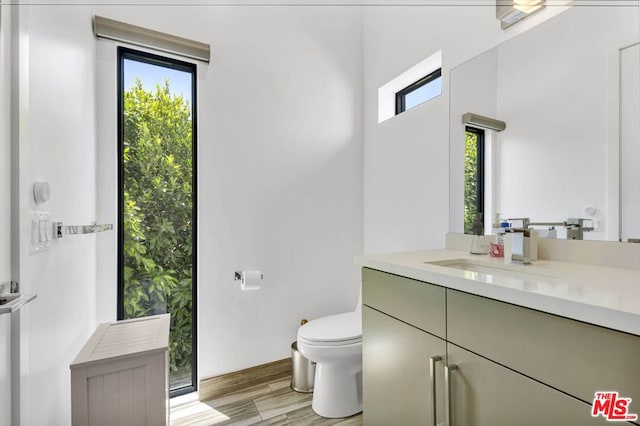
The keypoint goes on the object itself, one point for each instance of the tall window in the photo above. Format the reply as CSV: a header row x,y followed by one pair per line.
x,y
157,201
473,176
428,87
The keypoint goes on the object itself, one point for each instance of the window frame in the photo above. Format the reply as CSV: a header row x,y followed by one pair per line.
x,y
481,168
124,53
401,95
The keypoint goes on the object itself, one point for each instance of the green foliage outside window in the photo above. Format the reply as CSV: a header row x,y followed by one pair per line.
x,y
470,181
158,212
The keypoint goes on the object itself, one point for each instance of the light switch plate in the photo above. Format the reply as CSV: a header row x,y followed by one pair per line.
x,y
41,232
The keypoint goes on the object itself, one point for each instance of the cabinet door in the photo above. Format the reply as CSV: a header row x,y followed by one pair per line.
x,y
396,376
484,393
577,358
415,302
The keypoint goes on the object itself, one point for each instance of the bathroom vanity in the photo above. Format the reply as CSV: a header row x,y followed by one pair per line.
x,y
451,338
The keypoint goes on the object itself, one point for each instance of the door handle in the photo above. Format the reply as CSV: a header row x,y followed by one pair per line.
x,y
447,393
432,380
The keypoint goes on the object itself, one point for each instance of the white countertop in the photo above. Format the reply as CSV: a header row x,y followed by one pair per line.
x,y
604,296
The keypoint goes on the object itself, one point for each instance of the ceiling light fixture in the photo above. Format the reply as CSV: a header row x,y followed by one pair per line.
x,y
528,6
511,11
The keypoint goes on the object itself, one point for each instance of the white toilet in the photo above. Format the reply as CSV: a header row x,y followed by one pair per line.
x,y
334,343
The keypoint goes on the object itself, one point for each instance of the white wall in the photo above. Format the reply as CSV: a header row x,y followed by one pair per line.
x,y
283,181
406,158
280,170
57,144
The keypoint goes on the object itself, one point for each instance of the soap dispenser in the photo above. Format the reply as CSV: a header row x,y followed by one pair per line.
x,y
479,243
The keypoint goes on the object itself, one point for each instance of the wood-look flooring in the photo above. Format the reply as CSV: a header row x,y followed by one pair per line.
x,y
269,403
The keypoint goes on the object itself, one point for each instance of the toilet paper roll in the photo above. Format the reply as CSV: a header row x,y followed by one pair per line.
x,y
250,280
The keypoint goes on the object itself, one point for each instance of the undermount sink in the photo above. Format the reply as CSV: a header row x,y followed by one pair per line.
x,y
487,271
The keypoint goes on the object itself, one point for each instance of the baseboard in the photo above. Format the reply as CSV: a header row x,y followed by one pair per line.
x,y
225,384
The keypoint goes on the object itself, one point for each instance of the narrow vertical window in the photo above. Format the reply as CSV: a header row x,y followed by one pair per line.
x,y
473,176
157,201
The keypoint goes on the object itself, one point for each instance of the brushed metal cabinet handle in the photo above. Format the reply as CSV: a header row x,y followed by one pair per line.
x,y
432,380
447,393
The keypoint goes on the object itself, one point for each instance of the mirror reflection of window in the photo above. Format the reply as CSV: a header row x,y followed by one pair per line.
x,y
473,176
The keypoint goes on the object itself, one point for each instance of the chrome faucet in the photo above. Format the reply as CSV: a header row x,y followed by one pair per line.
x,y
519,246
576,227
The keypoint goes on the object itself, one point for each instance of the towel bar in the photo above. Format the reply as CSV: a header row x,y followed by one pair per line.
x,y
61,229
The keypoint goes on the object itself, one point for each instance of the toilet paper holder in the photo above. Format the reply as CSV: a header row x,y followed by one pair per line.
x,y
237,276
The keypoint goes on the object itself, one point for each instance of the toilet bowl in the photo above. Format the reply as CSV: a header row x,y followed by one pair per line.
x,y
334,343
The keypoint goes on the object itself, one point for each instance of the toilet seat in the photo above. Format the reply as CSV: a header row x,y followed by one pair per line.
x,y
334,330
329,343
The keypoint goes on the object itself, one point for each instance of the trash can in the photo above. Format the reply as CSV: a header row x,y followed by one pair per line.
x,y
303,371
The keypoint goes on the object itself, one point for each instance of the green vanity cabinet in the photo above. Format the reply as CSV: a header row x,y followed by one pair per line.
x,y
574,357
506,364
403,331
414,302
396,372
484,393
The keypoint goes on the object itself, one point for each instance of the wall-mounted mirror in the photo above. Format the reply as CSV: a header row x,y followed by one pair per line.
x,y
630,143
557,87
